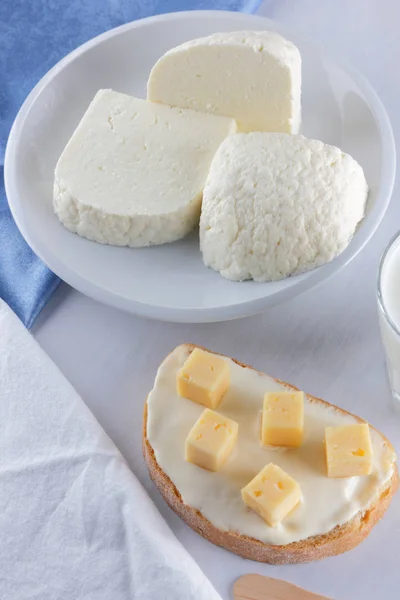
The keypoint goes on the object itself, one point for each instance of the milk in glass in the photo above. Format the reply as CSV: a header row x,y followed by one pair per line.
x,y
389,311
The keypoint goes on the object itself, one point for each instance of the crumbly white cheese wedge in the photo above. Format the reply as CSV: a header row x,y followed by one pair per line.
x,y
133,172
251,76
277,204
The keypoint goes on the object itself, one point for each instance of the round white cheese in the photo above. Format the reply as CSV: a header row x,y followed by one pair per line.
x,y
251,76
276,204
133,172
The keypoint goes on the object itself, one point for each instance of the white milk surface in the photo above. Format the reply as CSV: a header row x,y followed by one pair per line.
x,y
390,291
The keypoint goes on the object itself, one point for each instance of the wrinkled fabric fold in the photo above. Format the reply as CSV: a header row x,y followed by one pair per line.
x,y
74,520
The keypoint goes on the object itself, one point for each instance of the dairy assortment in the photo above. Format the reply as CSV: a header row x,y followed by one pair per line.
x,y
270,203
322,469
272,493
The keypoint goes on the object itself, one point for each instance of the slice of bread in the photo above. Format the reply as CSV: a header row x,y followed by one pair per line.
x,y
338,540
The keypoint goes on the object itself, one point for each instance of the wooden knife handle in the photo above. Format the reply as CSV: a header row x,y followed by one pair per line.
x,y
258,587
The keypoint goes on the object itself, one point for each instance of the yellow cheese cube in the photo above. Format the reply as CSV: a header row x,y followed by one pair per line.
x,y
204,378
282,419
211,440
348,450
272,494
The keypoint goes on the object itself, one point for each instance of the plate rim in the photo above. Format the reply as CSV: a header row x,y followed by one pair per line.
x,y
224,312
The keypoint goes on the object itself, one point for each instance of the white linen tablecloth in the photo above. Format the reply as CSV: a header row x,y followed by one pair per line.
x,y
75,523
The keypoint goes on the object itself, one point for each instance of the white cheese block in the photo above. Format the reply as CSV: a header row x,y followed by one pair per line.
x,y
251,76
133,172
276,204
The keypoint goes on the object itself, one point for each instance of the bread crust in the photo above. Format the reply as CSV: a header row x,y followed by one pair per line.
x,y
340,539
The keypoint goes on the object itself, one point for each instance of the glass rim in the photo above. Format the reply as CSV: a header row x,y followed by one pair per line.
x,y
381,302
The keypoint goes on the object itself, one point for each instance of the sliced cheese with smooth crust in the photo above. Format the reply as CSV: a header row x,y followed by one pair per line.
x,y
251,76
133,172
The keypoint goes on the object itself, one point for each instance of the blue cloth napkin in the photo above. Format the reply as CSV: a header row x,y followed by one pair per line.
x,y
34,35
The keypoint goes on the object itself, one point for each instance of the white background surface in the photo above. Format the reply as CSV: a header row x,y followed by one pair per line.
x,y
326,342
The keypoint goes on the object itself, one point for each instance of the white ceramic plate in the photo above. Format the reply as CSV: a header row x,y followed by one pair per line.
x,y
170,282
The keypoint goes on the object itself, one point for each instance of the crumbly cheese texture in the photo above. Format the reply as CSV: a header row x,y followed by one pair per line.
x,y
326,502
251,76
275,205
133,172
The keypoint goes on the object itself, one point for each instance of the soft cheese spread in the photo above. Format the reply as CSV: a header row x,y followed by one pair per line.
x,y
325,502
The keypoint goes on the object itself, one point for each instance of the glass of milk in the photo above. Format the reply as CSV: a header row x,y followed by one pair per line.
x,y
389,310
